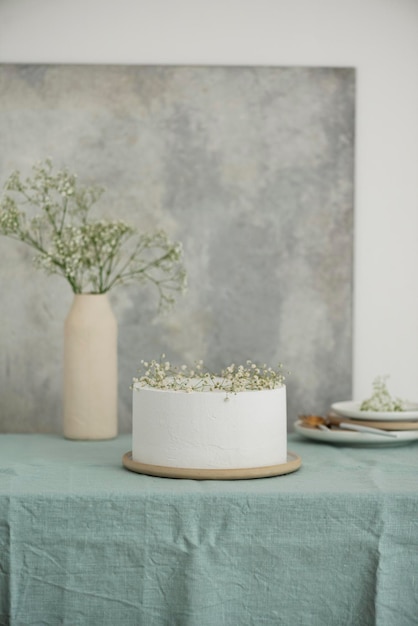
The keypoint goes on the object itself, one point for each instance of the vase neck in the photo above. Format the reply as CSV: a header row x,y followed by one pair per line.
x,y
91,302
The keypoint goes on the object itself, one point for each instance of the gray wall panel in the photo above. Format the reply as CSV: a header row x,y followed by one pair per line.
x,y
252,168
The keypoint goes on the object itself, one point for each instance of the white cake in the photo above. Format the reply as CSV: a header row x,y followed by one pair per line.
x,y
209,429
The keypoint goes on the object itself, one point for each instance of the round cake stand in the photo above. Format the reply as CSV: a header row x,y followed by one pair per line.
x,y
292,464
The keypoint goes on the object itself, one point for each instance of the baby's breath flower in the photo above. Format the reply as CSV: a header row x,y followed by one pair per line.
x,y
93,255
381,400
232,379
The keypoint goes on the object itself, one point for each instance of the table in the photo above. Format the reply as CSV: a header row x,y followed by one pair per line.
x,y
85,542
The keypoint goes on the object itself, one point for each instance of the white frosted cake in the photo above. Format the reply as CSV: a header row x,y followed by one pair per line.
x,y
209,429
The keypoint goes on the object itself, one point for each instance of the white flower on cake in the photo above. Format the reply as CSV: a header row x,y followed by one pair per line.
x,y
232,379
381,400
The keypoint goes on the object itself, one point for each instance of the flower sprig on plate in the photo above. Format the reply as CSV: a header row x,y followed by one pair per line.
x,y
381,400
232,379
93,255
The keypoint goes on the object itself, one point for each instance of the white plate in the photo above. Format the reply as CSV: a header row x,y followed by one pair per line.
x,y
352,409
352,437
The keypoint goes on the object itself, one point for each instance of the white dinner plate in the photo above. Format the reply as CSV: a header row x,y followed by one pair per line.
x,y
352,409
351,437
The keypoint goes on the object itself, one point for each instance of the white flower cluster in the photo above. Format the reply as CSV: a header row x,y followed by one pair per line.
x,y
93,255
234,378
10,218
381,400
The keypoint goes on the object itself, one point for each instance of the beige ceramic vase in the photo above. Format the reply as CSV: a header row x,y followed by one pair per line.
x,y
90,369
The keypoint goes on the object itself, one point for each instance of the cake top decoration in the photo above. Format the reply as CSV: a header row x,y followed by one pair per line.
x,y
232,379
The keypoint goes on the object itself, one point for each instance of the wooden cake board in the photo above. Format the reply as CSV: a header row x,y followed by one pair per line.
x,y
292,464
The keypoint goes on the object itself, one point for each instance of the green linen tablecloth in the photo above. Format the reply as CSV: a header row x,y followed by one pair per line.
x,y
85,542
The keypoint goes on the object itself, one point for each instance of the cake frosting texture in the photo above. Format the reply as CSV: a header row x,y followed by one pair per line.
x,y
209,430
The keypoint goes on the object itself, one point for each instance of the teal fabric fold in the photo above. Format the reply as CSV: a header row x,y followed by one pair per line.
x,y
85,542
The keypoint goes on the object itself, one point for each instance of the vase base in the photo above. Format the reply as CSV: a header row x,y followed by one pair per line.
x,y
107,438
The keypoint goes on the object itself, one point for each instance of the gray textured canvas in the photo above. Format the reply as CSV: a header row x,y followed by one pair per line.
x,y
250,167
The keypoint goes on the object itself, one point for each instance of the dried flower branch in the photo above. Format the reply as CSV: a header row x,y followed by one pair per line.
x,y
92,255
234,378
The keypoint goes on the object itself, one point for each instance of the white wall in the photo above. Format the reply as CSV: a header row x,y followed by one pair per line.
x,y
378,37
